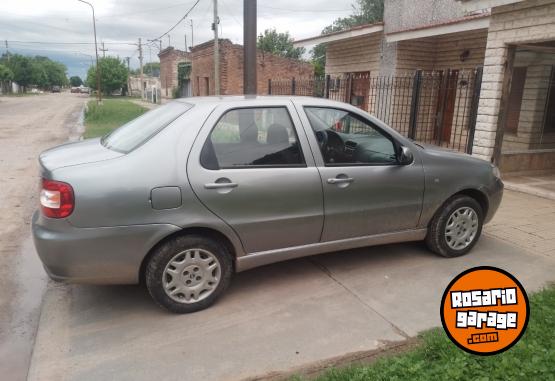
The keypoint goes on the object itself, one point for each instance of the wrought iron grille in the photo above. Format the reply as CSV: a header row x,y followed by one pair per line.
x,y
438,107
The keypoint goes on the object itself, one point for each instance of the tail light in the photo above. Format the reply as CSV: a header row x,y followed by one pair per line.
x,y
56,199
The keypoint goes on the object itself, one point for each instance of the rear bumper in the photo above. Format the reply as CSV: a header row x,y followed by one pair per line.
x,y
106,255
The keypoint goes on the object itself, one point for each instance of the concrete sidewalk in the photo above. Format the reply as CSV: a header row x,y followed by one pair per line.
x,y
273,319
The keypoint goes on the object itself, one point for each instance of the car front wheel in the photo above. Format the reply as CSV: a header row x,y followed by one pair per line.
x,y
188,273
456,228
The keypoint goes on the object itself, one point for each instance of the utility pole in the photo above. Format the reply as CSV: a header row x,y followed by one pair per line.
x,y
98,73
104,50
141,66
192,34
249,47
127,59
216,50
7,51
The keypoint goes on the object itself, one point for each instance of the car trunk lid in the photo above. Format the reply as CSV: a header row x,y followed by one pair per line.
x,y
83,152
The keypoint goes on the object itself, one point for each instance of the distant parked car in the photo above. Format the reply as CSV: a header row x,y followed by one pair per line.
x,y
84,90
75,90
56,89
185,195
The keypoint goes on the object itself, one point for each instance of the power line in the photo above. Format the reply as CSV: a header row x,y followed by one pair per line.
x,y
179,22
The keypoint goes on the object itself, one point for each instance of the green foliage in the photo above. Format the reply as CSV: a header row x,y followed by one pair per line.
x,y
318,59
112,113
280,44
75,81
113,75
38,70
5,73
532,358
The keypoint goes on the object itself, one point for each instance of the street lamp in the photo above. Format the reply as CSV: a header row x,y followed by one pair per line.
x,y
98,93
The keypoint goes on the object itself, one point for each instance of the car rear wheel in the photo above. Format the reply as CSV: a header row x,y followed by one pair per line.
x,y
187,274
456,228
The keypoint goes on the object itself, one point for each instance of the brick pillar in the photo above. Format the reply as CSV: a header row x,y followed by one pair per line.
x,y
490,99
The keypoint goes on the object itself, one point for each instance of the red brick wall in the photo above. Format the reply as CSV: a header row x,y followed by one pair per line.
x,y
169,59
269,66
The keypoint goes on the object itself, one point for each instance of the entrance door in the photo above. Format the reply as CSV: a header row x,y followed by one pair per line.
x,y
446,106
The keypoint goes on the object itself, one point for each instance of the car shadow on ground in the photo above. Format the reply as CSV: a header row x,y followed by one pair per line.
x,y
280,280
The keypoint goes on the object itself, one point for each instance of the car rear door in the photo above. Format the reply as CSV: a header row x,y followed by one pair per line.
x,y
251,165
366,191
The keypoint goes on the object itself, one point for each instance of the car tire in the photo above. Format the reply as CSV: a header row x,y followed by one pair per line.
x,y
456,227
186,266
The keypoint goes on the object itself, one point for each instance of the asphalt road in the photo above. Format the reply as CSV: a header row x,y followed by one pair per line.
x,y
28,125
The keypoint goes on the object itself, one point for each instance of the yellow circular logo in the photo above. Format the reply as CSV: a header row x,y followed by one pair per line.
x,y
485,310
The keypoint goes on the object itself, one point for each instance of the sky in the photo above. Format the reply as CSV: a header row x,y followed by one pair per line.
x,y
63,31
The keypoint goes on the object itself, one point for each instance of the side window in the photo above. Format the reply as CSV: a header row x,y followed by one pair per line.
x,y
346,139
252,137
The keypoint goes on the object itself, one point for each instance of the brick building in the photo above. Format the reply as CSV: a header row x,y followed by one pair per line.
x,y
170,59
511,43
269,66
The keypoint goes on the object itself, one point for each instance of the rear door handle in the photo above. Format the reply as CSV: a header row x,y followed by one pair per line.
x,y
220,185
341,180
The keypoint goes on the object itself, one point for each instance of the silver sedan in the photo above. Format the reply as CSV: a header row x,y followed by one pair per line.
x,y
189,193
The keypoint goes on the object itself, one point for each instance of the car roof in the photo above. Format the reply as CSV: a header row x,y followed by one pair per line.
x,y
246,98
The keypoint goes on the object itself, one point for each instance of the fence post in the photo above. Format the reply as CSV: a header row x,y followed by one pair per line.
x,y
270,86
349,90
293,86
328,83
474,109
416,84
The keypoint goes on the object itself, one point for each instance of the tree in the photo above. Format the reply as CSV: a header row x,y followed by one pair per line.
x,y
318,59
6,75
38,70
113,75
280,44
75,81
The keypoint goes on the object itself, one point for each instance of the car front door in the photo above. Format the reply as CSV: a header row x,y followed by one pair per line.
x,y
251,167
366,190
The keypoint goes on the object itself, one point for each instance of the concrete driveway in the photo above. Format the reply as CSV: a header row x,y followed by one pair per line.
x,y
273,319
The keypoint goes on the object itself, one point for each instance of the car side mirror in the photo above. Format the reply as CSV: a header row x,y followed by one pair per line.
x,y
405,156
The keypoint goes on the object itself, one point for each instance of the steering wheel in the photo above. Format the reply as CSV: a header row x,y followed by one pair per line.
x,y
322,138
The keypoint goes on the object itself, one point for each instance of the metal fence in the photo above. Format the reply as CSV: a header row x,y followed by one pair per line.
x,y
437,107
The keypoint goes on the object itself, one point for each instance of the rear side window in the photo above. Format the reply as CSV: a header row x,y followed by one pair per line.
x,y
131,135
253,137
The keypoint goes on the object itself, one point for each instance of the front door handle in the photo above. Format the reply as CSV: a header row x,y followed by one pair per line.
x,y
220,185
341,180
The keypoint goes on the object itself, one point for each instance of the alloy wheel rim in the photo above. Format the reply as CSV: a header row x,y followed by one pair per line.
x,y
191,276
461,228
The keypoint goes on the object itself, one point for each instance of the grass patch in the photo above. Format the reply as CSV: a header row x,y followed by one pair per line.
x,y
437,358
112,113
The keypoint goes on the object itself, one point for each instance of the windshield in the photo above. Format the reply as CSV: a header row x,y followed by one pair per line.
x,y
131,135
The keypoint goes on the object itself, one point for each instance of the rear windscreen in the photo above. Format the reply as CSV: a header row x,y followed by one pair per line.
x,y
132,134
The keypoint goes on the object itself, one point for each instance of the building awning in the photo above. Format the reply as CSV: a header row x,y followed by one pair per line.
x,y
464,24
357,31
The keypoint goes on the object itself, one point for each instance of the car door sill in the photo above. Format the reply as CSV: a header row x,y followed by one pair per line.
x,y
271,256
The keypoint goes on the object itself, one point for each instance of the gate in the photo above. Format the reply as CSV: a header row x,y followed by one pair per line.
x,y
437,107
